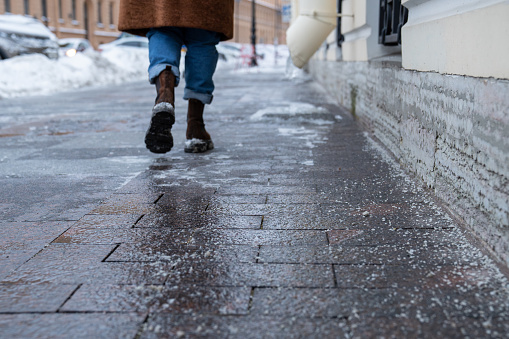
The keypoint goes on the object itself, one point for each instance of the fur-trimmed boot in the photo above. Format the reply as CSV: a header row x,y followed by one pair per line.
x,y
197,138
158,138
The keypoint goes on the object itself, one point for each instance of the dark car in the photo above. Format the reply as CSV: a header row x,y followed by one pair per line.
x,y
25,35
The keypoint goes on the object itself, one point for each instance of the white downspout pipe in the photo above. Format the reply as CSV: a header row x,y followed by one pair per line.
x,y
295,10
316,20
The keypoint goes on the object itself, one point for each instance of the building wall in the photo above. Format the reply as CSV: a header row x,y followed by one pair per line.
x,y
269,25
361,31
466,37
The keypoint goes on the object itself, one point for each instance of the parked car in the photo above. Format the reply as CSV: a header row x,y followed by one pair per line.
x,y
71,46
128,42
25,35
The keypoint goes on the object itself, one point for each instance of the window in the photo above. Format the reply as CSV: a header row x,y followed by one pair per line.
x,y
141,44
44,10
73,15
111,14
26,7
7,5
99,12
392,18
130,44
60,9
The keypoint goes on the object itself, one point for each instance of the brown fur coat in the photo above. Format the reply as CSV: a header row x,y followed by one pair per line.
x,y
137,16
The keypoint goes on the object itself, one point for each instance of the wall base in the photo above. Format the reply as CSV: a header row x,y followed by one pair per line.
x,y
450,131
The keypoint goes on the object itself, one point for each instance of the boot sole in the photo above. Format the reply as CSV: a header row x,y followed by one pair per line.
x,y
158,138
198,146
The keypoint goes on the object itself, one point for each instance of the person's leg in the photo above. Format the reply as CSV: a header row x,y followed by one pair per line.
x,y
165,45
164,53
201,61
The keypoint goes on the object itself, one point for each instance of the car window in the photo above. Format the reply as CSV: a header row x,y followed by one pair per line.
x,y
130,43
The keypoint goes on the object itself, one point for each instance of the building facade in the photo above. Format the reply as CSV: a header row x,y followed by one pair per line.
x,y
270,26
430,80
97,20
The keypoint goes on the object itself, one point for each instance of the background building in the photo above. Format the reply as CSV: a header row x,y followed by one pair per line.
x,y
270,26
97,20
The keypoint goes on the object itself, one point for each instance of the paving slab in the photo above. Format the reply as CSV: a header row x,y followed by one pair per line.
x,y
171,326
147,252
73,325
159,299
34,298
201,221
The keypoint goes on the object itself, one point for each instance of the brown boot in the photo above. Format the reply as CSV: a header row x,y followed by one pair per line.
x,y
158,138
198,140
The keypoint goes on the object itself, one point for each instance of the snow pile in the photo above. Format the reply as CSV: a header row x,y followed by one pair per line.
x,y
35,74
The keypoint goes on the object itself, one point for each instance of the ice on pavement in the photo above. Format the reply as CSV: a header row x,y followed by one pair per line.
x,y
286,109
35,74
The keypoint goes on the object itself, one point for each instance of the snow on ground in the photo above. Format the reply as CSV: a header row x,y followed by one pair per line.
x,y
37,75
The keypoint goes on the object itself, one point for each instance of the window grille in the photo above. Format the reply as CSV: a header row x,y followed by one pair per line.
x,y
392,18
340,37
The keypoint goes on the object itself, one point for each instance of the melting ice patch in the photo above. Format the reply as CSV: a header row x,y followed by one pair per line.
x,y
309,136
291,109
128,179
177,176
130,159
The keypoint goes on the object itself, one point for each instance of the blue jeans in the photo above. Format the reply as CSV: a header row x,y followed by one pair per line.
x,y
165,46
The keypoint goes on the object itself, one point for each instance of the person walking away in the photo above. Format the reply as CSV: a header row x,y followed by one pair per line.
x,y
170,24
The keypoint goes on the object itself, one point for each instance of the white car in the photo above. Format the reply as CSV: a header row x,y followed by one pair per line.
x,y
72,46
129,42
25,35
229,51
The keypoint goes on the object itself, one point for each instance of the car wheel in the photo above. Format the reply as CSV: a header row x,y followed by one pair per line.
x,y
3,55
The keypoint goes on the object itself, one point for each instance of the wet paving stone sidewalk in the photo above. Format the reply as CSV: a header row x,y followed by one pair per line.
x,y
297,225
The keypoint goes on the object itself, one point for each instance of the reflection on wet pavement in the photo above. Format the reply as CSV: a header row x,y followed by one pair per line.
x,y
294,226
